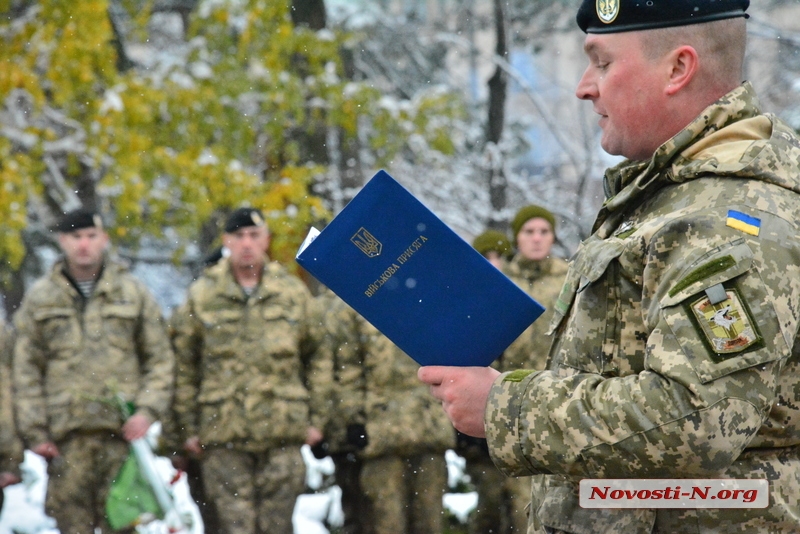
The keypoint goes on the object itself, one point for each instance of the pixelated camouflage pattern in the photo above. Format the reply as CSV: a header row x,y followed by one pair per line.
x,y
11,449
254,492
80,479
404,494
541,280
375,383
502,500
633,388
73,356
242,379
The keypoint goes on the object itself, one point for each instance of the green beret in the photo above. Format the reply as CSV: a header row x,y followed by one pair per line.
x,y
492,240
243,217
531,212
613,16
79,219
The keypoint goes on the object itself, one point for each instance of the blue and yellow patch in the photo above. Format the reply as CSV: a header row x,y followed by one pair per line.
x,y
742,221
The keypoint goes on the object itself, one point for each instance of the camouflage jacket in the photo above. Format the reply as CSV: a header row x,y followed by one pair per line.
x,y
374,383
674,351
11,449
541,280
241,372
74,356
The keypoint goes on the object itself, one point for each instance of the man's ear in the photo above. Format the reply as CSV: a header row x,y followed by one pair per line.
x,y
683,64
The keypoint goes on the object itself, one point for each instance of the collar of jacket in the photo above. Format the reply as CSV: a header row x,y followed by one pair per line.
x,y
530,269
626,183
227,285
106,283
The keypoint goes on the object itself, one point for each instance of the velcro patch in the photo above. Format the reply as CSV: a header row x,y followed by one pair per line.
x,y
517,376
727,325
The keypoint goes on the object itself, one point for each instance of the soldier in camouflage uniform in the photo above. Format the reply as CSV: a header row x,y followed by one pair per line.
x,y
88,334
494,246
10,444
385,433
243,340
540,275
675,348
502,500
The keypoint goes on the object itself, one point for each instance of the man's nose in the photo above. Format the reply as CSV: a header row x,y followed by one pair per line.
x,y
586,89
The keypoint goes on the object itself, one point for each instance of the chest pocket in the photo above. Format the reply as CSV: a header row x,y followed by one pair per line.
x,y
588,342
711,310
590,262
120,324
59,328
281,330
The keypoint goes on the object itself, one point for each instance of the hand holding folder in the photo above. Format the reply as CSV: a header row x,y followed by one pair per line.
x,y
406,272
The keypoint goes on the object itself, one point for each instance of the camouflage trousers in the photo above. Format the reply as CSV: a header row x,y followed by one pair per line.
x,y
79,481
502,501
254,493
348,478
404,495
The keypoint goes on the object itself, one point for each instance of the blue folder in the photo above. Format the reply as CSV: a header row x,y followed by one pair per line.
x,y
406,272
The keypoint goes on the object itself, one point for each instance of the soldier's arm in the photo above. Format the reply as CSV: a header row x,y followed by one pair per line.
x,y
186,341
692,410
28,370
356,339
11,450
157,362
319,363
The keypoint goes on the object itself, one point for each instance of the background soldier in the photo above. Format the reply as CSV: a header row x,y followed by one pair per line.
x,y
243,339
87,333
494,246
386,435
11,450
676,332
502,500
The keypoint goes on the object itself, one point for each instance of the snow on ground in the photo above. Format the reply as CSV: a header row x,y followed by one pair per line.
x,y
23,511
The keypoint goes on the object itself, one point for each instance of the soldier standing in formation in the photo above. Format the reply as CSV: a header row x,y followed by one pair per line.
x,y
88,334
494,246
11,450
676,332
243,340
386,435
502,500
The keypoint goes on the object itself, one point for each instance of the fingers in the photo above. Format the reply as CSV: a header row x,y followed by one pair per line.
x,y
433,375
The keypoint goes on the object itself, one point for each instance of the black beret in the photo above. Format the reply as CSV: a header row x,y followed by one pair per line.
x,y
79,219
243,217
613,16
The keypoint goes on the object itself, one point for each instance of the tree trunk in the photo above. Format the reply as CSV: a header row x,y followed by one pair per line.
x,y
498,86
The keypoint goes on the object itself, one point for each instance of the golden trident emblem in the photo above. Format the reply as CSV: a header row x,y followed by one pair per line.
x,y
607,10
367,243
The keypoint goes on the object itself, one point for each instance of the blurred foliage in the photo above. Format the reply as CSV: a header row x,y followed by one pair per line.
x,y
165,147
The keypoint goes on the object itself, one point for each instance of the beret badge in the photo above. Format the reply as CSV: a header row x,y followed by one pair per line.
x,y
607,10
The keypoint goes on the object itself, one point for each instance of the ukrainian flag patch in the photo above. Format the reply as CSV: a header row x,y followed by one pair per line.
x,y
744,222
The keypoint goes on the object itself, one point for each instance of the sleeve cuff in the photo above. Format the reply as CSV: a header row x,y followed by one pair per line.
x,y
504,423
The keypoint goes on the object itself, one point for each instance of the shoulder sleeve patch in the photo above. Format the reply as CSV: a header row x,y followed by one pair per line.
x,y
727,326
